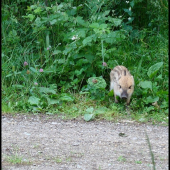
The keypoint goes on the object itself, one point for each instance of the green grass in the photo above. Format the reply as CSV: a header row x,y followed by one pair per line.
x,y
82,104
138,162
121,159
16,160
67,65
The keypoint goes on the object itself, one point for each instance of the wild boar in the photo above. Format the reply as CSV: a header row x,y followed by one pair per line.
x,y
122,83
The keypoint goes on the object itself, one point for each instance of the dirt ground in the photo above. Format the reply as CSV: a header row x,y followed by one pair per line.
x,y
49,143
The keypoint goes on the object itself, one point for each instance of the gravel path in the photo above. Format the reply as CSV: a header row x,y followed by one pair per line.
x,y
48,143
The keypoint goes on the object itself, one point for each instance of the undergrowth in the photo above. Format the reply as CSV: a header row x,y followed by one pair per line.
x,y
57,56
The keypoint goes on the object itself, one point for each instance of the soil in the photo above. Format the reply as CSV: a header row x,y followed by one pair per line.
x,y
49,143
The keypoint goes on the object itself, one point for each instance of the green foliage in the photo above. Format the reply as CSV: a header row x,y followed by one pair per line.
x,y
154,69
52,50
96,88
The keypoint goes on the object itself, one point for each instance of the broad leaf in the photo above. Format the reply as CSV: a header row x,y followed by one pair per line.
x,y
88,117
18,86
89,39
81,21
52,101
117,21
79,72
94,25
46,90
146,84
66,97
56,52
90,110
53,22
151,99
97,82
33,100
154,69
89,57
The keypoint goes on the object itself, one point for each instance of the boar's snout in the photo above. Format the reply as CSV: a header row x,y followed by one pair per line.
x,y
124,94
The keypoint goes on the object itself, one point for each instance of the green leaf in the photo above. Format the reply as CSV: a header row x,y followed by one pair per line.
x,y
32,7
161,92
38,10
46,90
103,26
52,101
116,21
132,4
33,100
56,52
90,110
151,99
159,77
33,69
49,113
89,39
81,21
61,61
18,86
88,117
53,22
30,16
97,82
89,57
154,69
66,97
114,37
79,72
101,110
111,93
94,25
9,75
146,84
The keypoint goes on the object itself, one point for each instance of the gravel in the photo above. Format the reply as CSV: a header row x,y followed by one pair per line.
x,y
48,143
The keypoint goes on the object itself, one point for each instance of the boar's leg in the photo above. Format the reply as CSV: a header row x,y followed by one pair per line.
x,y
128,100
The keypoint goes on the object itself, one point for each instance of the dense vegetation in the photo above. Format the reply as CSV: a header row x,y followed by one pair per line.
x,y
52,51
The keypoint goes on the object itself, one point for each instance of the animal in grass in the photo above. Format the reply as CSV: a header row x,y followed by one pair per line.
x,y
122,83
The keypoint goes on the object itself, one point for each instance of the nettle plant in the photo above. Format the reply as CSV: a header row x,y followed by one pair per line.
x,y
85,44
96,88
150,91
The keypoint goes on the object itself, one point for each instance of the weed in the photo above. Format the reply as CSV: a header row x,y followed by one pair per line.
x,y
58,160
121,159
16,159
150,149
138,162
56,59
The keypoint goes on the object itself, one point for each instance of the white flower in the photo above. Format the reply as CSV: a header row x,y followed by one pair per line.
x,y
120,16
75,37
127,2
129,18
130,9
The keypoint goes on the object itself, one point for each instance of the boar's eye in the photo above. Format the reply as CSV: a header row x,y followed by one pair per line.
x,y
130,87
119,87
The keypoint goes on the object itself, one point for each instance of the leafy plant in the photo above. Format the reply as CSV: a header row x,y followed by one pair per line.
x,y
96,88
53,51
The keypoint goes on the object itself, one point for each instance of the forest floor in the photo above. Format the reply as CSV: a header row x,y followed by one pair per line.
x,y
40,142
